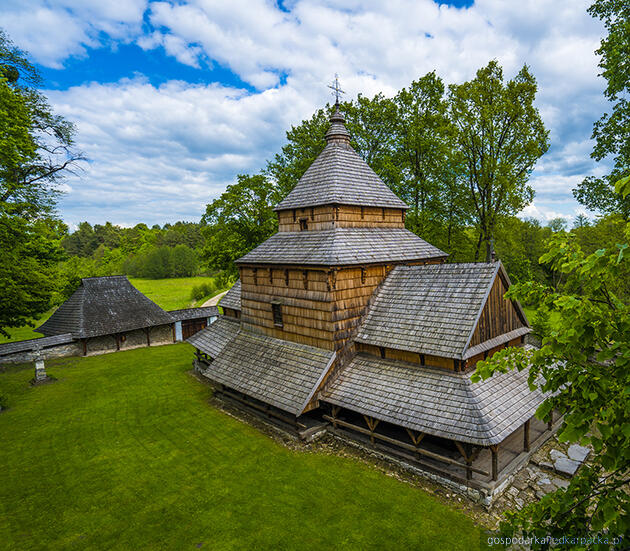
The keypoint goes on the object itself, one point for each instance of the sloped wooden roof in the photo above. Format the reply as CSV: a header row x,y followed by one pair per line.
x,y
340,177
436,401
342,246
213,339
281,373
232,299
104,306
194,313
431,309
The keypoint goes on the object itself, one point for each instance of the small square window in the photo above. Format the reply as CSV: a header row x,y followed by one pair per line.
x,y
303,224
277,314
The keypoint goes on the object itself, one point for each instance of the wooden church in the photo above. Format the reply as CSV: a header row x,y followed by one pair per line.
x,y
346,316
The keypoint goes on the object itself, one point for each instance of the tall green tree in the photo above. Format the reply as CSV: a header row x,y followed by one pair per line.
x,y
612,131
500,136
239,220
423,140
36,151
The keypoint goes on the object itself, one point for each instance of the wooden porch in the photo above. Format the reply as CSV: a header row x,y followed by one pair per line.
x,y
475,466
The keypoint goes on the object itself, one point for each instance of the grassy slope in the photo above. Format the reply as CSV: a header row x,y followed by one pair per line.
x,y
124,452
170,294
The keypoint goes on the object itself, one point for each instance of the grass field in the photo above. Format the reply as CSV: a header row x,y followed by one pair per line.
x,y
124,451
170,294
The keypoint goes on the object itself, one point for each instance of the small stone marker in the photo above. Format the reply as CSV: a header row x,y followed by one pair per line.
x,y
40,369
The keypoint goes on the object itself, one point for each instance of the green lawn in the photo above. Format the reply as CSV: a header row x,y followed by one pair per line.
x,y
124,451
170,294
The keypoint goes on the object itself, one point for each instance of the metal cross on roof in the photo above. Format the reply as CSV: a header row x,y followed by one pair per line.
x,y
337,91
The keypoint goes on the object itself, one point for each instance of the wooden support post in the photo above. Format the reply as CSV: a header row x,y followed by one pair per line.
x,y
148,330
335,411
117,341
84,346
550,423
526,436
466,452
495,461
415,439
371,423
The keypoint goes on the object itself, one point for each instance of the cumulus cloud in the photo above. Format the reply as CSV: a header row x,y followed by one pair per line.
x,y
155,142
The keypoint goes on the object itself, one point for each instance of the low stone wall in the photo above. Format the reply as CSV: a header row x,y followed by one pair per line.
x,y
158,335
59,351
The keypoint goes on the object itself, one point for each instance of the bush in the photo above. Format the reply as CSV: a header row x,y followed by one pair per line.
x,y
204,290
4,402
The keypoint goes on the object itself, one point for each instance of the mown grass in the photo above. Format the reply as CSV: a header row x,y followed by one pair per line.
x,y
170,294
124,451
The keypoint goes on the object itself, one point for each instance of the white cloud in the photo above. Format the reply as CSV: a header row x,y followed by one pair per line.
x,y
146,140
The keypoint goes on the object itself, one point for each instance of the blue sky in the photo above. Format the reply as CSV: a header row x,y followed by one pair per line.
x,y
173,99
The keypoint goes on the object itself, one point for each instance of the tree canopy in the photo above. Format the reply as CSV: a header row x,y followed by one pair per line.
x,y
612,131
36,152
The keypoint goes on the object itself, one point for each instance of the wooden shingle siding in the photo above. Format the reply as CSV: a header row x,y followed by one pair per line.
x,y
328,217
499,316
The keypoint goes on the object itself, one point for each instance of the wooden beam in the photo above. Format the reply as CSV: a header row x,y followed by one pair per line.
x,y
495,461
526,436
371,423
265,409
335,411
405,446
465,450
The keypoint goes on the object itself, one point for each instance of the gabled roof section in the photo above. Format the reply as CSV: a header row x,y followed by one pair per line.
x,y
194,313
281,373
431,309
104,306
213,339
436,401
8,348
340,177
342,247
232,299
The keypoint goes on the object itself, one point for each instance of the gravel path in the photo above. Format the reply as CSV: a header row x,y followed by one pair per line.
x,y
213,301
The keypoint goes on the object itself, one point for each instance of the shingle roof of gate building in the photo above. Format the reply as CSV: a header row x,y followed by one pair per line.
x,y
104,306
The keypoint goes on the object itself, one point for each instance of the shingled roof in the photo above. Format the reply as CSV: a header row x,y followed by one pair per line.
x,y
281,373
431,309
213,339
339,176
103,306
342,246
194,313
232,299
436,401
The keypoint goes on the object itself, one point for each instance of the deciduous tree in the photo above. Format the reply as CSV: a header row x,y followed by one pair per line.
x,y
500,136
